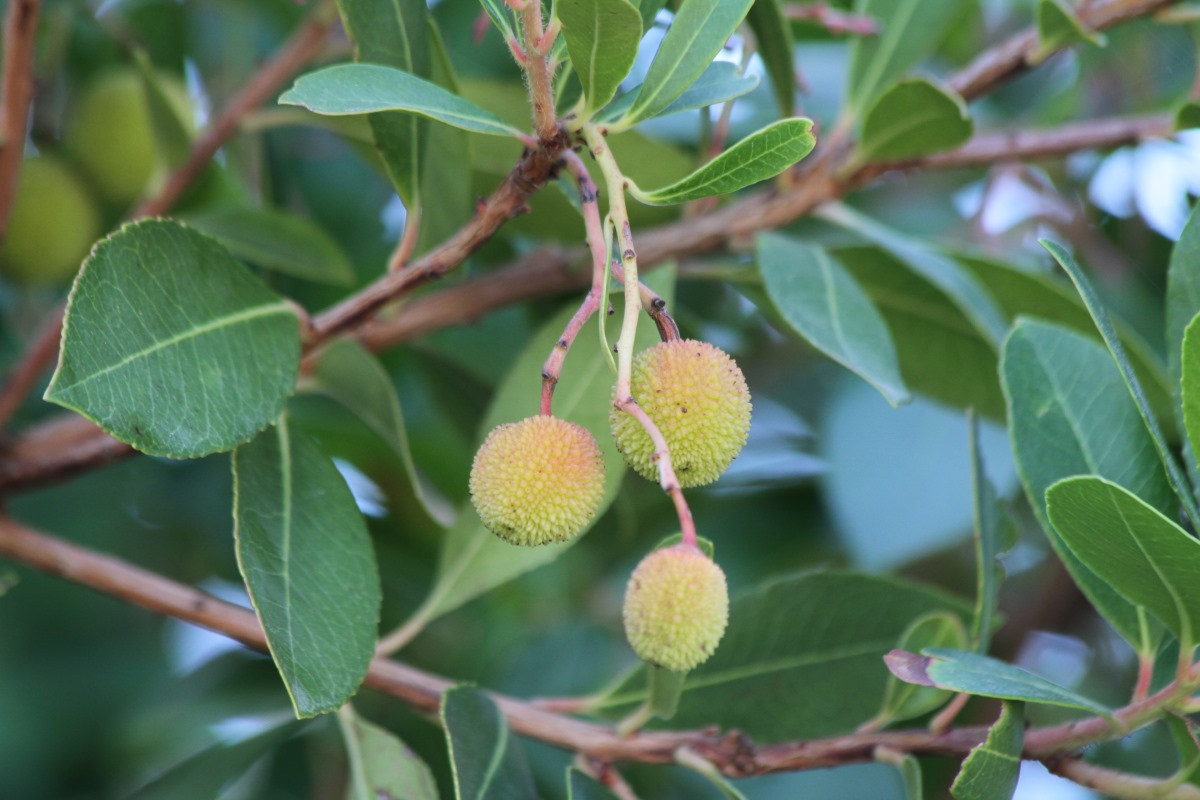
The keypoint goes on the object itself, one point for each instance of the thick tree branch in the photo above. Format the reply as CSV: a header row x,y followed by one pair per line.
x,y
20,27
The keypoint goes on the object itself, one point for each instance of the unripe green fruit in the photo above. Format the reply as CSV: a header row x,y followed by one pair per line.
x,y
52,226
676,608
537,481
697,396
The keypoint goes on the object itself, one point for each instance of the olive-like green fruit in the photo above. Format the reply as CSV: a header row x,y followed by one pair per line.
x,y
676,608
697,396
538,481
110,133
52,225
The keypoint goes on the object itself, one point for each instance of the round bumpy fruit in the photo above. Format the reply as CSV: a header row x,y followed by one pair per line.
x,y
697,396
537,481
676,608
53,224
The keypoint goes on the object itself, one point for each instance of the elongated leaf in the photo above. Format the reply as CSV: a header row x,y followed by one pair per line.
x,y
1104,324
447,202
909,30
473,559
1183,298
774,37
1058,27
988,530
822,303
487,760
602,38
1190,383
581,786
720,82
501,14
381,766
1069,416
801,658
307,559
991,769
173,346
913,118
172,131
1182,733
902,700
910,773
761,155
962,671
393,34
369,88
696,35
1187,116
1145,556
279,242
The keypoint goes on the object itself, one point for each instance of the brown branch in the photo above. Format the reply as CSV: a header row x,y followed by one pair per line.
x,y
1120,785
833,20
20,27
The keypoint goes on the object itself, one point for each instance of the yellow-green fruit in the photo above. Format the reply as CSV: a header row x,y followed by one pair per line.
x,y
697,396
52,226
676,608
537,481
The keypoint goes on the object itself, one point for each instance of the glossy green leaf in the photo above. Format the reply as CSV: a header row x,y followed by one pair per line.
x,y
823,304
501,14
773,35
278,241
1187,116
369,88
1058,27
309,565
348,373
802,656
962,671
913,118
988,536
1108,333
1069,416
991,769
602,38
902,700
581,786
393,34
1183,297
720,82
697,33
473,559
1145,556
173,346
381,766
486,758
909,30
761,155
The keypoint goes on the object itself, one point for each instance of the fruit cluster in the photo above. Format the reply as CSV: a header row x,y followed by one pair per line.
x,y
541,480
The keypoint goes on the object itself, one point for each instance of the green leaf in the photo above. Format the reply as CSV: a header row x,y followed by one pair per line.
x,y
962,671
821,301
697,33
278,241
948,275
1058,27
910,773
304,551
988,530
172,346
369,88
487,760
1182,733
1145,556
761,155
1100,316
909,30
1187,116
602,38
1069,416
1190,384
773,35
581,786
446,199
1183,298
913,118
348,373
801,658
381,766
172,132
393,34
902,700
665,688
473,559
502,17
720,82
991,769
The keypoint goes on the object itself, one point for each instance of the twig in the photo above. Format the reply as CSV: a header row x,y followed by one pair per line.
x,y
833,20
20,27
1121,785
538,42
408,240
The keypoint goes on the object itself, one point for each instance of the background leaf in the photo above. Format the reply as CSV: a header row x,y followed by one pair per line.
x,y
988,536
602,38
1058,27
761,155
991,770
773,35
1183,297
309,565
487,759
204,356
902,700
584,787
913,118
720,82
822,303
381,766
